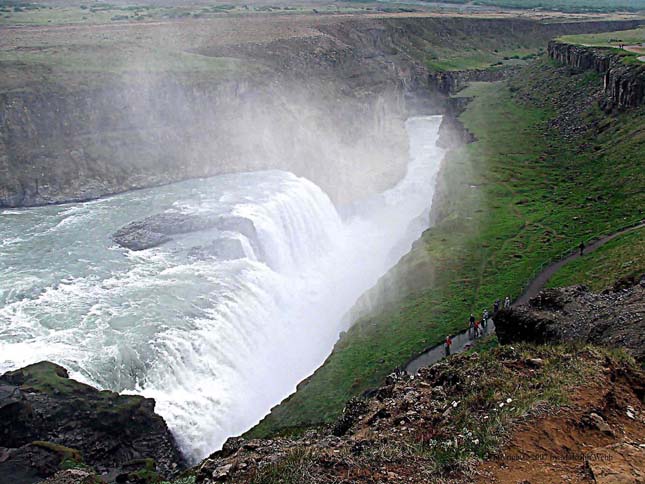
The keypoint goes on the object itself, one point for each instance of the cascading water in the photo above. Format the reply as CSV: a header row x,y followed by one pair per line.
x,y
216,342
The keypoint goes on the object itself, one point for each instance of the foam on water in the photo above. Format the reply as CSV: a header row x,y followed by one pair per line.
x,y
217,343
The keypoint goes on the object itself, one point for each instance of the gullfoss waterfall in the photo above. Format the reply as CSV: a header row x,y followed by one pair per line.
x,y
218,339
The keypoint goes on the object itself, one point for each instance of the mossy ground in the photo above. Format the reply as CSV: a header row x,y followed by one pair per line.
x,y
69,457
619,258
49,378
516,199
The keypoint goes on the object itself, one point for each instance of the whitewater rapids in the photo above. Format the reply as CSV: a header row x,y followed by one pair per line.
x,y
217,343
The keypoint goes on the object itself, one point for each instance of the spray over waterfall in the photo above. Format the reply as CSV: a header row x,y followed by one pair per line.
x,y
217,341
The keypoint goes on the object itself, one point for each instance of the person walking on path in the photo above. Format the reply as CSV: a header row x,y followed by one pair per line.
x,y
477,329
495,307
507,302
582,247
471,326
448,344
485,317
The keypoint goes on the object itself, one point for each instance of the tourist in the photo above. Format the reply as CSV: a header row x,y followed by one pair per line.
x,y
495,307
485,317
471,326
448,344
476,329
582,248
507,302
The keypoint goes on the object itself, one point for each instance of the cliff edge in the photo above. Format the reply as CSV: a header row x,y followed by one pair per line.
x,y
624,83
49,422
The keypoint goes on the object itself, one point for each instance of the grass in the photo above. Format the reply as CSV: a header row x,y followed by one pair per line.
x,y
514,200
181,480
481,59
119,58
292,469
66,13
612,41
621,257
500,394
607,39
564,5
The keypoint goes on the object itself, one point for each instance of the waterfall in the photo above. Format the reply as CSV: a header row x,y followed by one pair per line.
x,y
216,341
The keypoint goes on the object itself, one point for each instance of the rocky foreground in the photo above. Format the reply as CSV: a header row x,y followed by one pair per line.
x,y
453,421
561,401
49,423
575,314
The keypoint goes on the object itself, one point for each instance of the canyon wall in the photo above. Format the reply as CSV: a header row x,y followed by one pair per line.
x,y
59,144
325,99
624,83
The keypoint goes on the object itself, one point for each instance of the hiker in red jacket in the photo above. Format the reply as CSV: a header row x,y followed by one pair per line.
x,y
448,344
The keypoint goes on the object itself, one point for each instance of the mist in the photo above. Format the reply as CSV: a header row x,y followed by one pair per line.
x,y
291,130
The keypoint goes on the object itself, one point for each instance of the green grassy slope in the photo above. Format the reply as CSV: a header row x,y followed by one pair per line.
x,y
634,39
607,39
622,257
526,191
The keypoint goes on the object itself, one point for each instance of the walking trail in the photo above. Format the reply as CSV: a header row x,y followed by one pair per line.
x,y
462,340
638,49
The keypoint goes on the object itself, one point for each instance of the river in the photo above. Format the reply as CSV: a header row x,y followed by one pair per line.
x,y
216,342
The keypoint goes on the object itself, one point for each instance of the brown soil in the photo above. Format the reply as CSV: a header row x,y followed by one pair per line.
x,y
566,448
389,436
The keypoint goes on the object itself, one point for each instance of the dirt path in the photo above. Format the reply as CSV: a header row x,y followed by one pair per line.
x,y
462,340
638,49
543,277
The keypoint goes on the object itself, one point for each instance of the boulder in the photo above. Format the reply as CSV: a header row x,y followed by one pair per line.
x,y
161,228
158,229
46,419
612,318
617,464
73,476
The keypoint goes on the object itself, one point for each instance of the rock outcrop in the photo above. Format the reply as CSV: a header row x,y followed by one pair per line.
x,y
49,422
449,82
624,84
162,227
613,318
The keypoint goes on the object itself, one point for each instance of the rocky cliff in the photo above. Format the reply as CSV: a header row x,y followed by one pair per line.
x,y
624,84
452,81
613,318
50,422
